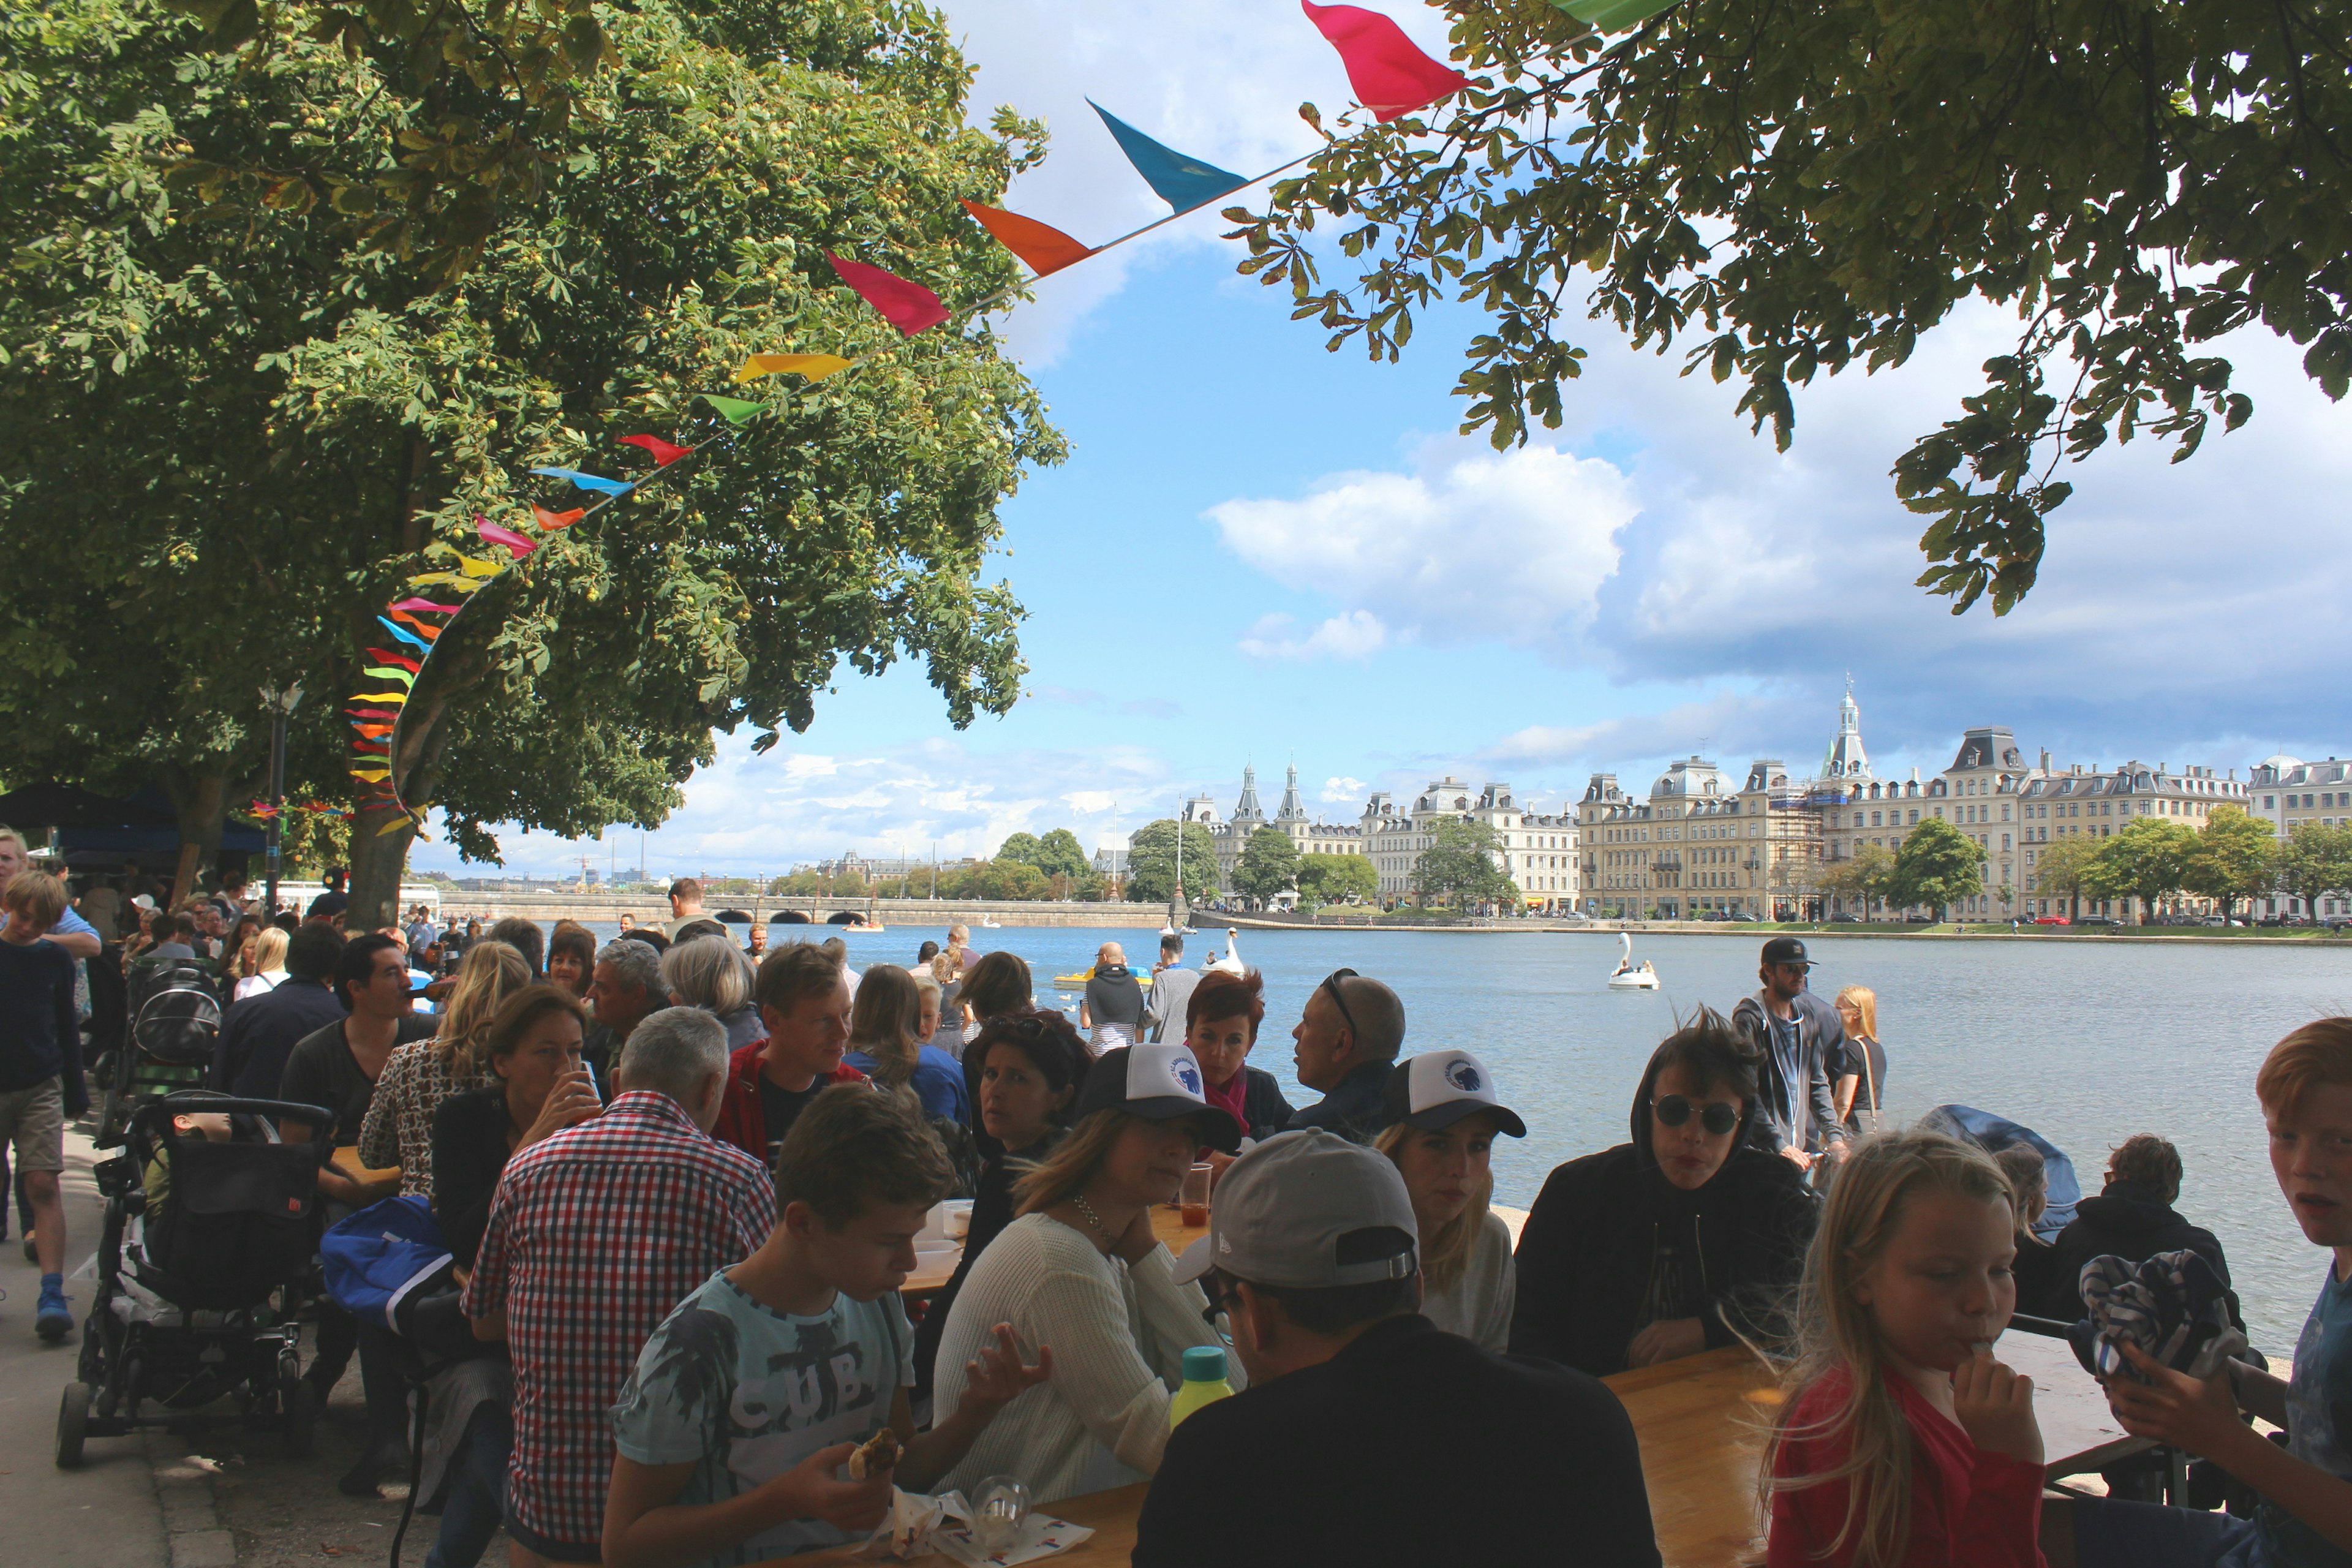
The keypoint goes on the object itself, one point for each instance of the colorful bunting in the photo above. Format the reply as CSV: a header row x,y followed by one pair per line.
x,y
495,534
910,307
463,583
429,605
387,672
424,628
809,368
734,410
664,453
1390,75
1047,249
552,520
1182,183
1613,16
403,633
386,655
589,481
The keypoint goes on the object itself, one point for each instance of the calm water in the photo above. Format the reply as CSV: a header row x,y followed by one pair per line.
x,y
2088,1045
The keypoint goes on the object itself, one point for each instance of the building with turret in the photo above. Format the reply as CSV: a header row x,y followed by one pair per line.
x,y
1307,835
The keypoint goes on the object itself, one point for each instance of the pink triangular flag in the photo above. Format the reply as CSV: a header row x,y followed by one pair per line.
x,y
910,307
1390,75
426,604
515,543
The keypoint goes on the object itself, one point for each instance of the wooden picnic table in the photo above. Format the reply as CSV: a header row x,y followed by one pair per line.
x,y
346,1159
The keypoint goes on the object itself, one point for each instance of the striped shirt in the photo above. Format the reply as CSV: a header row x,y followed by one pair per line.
x,y
594,1235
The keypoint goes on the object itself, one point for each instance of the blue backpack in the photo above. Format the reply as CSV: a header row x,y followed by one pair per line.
x,y
385,1256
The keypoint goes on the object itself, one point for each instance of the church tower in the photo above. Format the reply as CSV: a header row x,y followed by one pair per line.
x,y
1846,759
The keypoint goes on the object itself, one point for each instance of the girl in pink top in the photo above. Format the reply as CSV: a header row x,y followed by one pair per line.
x,y
1906,1443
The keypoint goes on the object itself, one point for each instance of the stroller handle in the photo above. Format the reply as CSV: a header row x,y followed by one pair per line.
x,y
156,1114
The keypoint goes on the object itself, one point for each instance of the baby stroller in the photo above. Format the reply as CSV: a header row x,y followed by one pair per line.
x,y
172,1018
195,1303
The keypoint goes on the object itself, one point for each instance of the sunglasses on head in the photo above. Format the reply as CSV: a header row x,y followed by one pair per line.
x,y
1331,983
1718,1116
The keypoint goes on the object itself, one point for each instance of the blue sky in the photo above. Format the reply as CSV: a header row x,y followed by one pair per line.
x,y
1263,550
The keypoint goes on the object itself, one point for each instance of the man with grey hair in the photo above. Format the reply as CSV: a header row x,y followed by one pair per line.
x,y
1349,1035
595,1234
624,986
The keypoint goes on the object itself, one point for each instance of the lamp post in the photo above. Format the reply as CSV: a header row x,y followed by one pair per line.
x,y
281,706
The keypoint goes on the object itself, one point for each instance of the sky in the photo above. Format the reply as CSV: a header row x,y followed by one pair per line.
x,y
1264,552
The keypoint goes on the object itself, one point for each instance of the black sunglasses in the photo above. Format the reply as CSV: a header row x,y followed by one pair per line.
x,y
1331,983
1718,1117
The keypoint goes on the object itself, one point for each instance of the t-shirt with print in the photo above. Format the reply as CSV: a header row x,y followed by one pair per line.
x,y
749,1392
2318,1426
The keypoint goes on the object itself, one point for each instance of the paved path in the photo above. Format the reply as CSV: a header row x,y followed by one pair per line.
x,y
107,1513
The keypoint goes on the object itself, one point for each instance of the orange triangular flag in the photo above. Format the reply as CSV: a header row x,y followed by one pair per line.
x,y
1047,249
552,521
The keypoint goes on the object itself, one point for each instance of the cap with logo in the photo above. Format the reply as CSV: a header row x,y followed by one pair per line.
x,y
1437,1089
1158,1083
1307,1211
1786,950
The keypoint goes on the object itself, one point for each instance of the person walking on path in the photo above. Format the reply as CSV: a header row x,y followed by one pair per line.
x,y
1113,1007
41,1073
1802,1044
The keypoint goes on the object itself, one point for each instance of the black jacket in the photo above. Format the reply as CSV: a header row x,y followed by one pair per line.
x,y
1411,1447
1594,1240
1798,1110
260,1033
1113,996
2128,1221
469,1156
1357,1110
1263,1105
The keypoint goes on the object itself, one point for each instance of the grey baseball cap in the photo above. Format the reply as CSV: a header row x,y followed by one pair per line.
x,y
1285,1211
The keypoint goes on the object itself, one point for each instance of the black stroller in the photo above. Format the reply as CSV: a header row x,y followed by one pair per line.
x,y
171,1020
194,1304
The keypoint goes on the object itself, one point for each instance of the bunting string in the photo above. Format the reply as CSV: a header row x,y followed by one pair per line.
x,y
1392,77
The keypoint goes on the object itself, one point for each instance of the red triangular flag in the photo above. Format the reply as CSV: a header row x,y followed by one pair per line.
x,y
1047,249
1390,75
664,453
910,307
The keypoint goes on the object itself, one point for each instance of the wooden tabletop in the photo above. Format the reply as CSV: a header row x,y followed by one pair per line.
x,y
1111,1516
346,1159
1700,1424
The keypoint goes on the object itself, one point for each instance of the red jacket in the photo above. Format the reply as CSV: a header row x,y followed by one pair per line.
x,y
1969,1507
742,1119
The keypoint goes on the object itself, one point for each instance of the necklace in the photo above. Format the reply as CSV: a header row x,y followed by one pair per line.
x,y
1079,1202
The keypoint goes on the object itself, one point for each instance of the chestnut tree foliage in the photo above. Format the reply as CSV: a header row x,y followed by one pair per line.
x,y
1781,191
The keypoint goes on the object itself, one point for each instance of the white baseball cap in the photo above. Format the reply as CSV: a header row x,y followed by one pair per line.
x,y
1158,1083
1437,1089
1307,1211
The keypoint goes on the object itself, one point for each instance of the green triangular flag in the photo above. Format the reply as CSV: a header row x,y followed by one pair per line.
x,y
734,408
1613,15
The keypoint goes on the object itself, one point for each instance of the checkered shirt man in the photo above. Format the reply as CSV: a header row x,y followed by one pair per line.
x,y
594,1235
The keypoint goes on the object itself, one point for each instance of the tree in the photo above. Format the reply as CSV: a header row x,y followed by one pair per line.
x,y
1020,847
1151,862
1802,192
1058,854
1936,868
2316,864
997,879
2147,859
1336,878
2236,856
1268,865
230,430
1865,875
1459,864
2062,869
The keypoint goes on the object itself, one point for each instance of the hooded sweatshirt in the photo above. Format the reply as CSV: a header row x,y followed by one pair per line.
x,y
1114,997
1612,1245
2128,1221
1794,1105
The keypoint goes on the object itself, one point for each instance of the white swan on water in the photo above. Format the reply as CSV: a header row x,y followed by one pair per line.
x,y
1230,963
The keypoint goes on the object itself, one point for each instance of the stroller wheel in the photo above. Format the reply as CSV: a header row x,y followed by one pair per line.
x,y
73,1424
298,1405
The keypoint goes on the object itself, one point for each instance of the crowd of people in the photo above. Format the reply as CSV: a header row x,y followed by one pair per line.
x,y
684,1185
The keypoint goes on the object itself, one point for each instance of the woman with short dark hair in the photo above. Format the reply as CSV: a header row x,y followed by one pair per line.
x,y
1682,1240
1220,1022
995,987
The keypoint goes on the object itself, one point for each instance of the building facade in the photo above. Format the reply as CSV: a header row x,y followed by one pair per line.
x,y
2287,792
1307,835
1695,846
1536,849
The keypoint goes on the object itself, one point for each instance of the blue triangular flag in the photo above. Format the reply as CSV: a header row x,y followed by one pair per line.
x,y
589,481
405,634
1182,183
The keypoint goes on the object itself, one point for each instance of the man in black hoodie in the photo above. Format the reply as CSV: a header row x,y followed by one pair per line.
x,y
1682,1240
2132,1218
1801,1047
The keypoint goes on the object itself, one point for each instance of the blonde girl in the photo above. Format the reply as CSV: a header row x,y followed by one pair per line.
x,y
268,964
1441,1143
1861,1088
417,1078
1904,1442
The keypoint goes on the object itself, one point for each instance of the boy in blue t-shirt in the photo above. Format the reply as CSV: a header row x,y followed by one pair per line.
x,y
746,1404
40,1056
2306,1517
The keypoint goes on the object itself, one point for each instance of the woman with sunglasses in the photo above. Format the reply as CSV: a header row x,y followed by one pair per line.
x,y
1443,1117
1683,1240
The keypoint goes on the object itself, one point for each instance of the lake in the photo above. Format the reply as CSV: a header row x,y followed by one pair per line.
x,y
2085,1043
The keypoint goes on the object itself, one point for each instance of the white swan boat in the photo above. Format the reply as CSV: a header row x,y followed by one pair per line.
x,y
1629,975
1230,963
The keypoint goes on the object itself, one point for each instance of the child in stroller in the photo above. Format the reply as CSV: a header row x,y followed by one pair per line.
x,y
194,1293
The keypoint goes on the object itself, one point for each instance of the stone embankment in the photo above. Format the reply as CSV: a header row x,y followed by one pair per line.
x,y
606,909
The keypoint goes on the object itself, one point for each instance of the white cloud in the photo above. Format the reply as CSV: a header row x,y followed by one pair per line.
x,y
1357,634
1343,789
1474,545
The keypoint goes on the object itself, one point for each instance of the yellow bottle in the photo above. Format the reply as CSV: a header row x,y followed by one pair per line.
x,y
1204,1384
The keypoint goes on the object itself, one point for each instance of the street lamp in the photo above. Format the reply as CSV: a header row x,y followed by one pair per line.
x,y
280,707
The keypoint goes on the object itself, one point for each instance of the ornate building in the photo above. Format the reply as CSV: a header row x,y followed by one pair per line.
x,y
1306,835
1536,850
1695,846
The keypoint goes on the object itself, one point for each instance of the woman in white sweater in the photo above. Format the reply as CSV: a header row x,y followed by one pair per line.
x,y
1080,1270
1442,1117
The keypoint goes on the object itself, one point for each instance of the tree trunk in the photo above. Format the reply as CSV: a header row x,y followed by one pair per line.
x,y
200,800
378,859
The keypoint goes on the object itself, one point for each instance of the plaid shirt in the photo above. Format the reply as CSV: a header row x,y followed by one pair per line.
x,y
594,1235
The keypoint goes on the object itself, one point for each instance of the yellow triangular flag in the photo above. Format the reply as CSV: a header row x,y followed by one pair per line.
x,y
473,566
811,367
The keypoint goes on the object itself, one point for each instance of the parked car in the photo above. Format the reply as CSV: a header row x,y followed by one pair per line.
x,y
1844,920
2053,921
2098,921
1749,920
